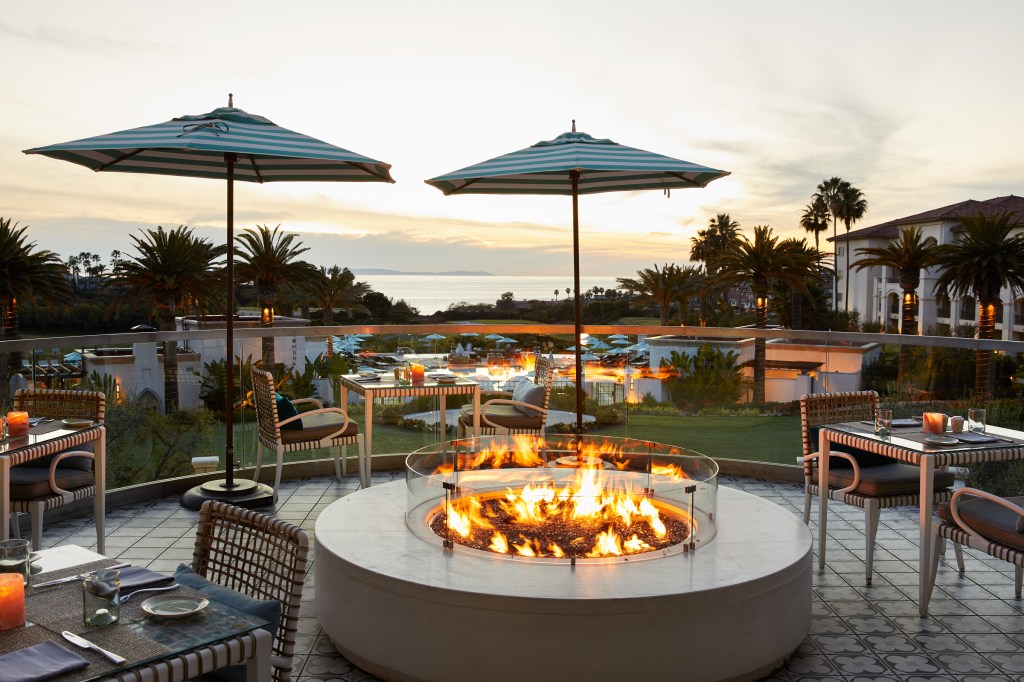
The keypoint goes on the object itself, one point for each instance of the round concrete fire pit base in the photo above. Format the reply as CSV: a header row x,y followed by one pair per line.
x,y
404,609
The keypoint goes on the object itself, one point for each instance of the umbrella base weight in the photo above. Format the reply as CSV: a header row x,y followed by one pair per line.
x,y
243,493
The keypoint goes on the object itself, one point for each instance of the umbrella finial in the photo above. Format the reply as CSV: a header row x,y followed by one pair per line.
x,y
231,100
574,125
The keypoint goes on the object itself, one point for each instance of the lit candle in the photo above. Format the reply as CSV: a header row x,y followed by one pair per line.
x,y
12,601
417,372
17,423
933,422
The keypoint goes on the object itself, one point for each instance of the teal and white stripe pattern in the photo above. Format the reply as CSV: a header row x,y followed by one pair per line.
x,y
195,146
604,166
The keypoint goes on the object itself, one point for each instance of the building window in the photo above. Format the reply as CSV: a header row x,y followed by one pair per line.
x,y
894,304
967,309
942,306
999,312
841,251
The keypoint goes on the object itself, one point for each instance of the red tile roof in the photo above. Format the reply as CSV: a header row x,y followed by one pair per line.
x,y
952,212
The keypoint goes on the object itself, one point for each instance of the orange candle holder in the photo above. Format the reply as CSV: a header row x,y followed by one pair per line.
x,y
17,423
933,422
12,601
417,372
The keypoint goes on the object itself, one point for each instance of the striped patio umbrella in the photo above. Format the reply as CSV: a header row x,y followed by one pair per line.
x,y
224,144
574,164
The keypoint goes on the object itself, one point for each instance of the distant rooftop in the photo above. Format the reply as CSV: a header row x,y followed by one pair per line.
x,y
970,207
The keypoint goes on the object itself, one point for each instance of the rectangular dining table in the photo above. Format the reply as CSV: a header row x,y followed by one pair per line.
x,y
49,437
388,387
907,445
159,649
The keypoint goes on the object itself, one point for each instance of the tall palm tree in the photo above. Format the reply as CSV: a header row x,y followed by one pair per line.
x,y
172,270
982,260
721,231
852,207
815,219
337,288
269,259
830,192
907,255
655,286
759,263
686,282
27,275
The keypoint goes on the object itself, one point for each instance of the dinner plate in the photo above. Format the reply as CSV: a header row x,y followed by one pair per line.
x,y
76,423
367,374
940,440
171,606
446,379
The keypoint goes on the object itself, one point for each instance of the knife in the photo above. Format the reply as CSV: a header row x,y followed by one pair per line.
x,y
86,644
73,578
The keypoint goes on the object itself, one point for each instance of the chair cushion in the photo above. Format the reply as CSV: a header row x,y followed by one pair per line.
x,y
530,393
863,457
286,410
882,480
507,416
82,463
29,483
267,609
318,432
988,519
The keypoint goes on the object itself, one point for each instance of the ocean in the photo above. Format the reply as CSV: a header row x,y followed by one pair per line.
x,y
430,293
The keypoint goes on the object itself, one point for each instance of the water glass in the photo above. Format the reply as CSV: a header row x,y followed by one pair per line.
x,y
976,420
101,597
883,423
14,557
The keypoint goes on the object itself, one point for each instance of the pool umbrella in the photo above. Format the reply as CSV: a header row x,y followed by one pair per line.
x,y
434,338
621,342
224,144
574,164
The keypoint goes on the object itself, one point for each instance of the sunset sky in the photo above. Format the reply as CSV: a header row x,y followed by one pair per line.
x,y
917,103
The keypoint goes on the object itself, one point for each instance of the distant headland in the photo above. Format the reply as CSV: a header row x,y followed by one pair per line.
x,y
448,273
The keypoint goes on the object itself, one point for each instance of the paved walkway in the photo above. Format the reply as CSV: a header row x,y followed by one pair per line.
x,y
858,633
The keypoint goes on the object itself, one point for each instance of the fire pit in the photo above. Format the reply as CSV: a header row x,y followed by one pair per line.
x,y
538,550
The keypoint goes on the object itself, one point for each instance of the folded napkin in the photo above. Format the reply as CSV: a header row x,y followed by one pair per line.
x,y
137,577
367,380
974,438
899,423
40,662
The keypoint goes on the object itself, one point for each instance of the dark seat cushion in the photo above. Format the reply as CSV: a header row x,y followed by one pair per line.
x,y
863,457
285,410
988,519
882,480
507,416
83,463
29,483
318,432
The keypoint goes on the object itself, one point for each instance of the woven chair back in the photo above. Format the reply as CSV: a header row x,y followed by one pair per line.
x,y
831,408
61,403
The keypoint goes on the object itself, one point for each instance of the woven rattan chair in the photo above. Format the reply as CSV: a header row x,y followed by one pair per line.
x,y
981,521
261,557
334,431
863,479
504,415
62,478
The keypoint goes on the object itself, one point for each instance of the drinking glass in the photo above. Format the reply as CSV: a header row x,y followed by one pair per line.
x,y
976,420
14,557
101,597
883,423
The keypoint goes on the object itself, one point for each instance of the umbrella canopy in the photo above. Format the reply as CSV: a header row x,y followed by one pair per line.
x,y
494,337
618,336
574,164
228,144
506,340
434,337
598,344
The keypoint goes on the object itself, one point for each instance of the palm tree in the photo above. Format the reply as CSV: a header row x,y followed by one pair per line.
x,y
980,262
815,219
655,286
759,263
908,255
172,270
686,282
337,288
27,275
830,192
852,207
722,230
268,259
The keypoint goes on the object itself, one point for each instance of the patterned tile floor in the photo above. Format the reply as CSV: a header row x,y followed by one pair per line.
x,y
975,632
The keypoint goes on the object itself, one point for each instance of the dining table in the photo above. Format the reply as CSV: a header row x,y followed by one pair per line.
x,y
165,649
911,445
47,437
374,386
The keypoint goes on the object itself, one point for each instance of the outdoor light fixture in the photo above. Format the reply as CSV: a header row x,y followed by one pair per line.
x,y
267,316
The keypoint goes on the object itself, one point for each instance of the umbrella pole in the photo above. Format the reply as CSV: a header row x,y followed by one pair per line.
x,y
574,175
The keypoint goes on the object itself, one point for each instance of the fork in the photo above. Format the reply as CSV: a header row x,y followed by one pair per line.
x,y
149,589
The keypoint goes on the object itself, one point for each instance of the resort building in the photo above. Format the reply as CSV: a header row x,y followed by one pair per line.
x,y
875,292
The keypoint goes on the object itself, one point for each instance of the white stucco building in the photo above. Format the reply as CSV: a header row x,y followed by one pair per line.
x,y
875,292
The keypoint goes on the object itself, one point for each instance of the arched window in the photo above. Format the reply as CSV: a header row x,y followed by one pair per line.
x,y
999,312
894,304
968,309
1018,311
942,306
